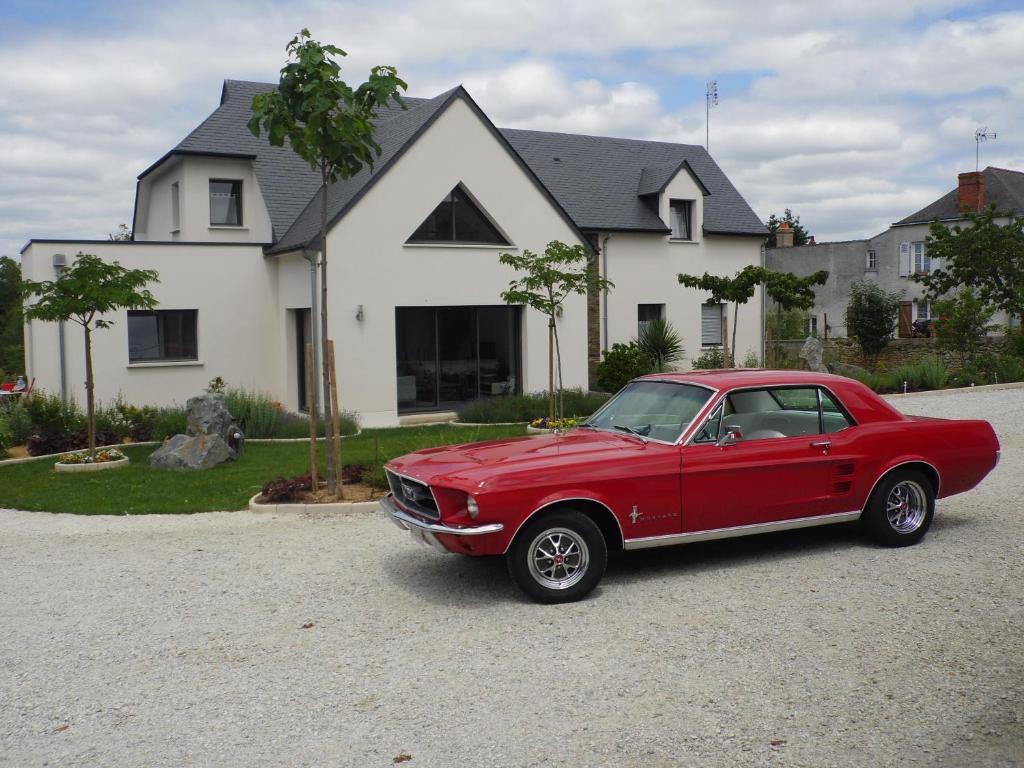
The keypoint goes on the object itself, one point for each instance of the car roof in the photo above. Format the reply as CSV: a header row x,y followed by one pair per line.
x,y
729,378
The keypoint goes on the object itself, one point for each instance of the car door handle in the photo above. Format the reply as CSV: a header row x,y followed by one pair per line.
x,y
825,445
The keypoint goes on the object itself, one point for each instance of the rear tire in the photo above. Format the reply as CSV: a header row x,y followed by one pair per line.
x,y
900,510
558,557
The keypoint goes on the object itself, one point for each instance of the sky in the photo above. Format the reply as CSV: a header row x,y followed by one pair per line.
x,y
853,113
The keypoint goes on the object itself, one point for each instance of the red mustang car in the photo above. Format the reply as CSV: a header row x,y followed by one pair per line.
x,y
678,458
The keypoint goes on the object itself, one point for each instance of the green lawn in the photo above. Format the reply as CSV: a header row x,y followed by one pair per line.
x,y
139,489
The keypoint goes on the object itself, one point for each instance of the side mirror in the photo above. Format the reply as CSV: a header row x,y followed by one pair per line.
x,y
733,434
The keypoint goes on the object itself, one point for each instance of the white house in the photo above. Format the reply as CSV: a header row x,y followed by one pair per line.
x,y
231,224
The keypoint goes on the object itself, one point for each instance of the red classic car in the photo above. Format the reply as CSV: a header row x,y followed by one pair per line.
x,y
678,458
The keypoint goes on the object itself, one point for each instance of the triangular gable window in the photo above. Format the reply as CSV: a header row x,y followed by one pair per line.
x,y
457,219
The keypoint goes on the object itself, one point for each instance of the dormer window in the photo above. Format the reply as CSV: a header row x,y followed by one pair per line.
x,y
225,203
457,219
681,219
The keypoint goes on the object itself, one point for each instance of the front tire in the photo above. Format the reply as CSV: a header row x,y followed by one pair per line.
x,y
901,509
559,557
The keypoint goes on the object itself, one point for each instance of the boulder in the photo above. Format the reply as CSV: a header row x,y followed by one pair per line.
x,y
812,353
211,438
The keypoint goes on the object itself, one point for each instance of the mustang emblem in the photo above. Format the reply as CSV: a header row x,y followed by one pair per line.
x,y
411,492
634,514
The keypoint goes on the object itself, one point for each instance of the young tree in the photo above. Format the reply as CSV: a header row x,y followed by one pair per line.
x,y
551,277
82,293
963,320
985,256
737,289
12,338
800,233
792,294
123,234
328,124
872,315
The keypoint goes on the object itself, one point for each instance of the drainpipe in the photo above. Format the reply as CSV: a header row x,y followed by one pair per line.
x,y
59,263
764,348
314,313
604,303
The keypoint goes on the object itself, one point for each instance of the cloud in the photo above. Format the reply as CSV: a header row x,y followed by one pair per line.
x,y
854,114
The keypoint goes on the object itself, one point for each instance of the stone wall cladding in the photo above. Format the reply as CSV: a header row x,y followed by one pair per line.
x,y
899,352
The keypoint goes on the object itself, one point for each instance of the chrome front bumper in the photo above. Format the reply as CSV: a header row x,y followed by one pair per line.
x,y
424,532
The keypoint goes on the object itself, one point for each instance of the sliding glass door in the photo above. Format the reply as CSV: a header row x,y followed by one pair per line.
x,y
446,356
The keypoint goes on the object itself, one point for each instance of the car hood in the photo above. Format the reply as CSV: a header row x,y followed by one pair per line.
x,y
475,465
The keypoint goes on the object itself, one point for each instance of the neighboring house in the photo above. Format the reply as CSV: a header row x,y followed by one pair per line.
x,y
230,223
892,257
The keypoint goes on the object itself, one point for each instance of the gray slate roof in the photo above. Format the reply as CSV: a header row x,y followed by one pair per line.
x,y
1003,187
596,181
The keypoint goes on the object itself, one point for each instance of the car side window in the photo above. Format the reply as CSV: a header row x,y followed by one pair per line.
x,y
769,414
708,432
833,418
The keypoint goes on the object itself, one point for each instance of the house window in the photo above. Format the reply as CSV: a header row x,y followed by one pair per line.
x,y
812,325
175,208
164,334
225,203
457,219
681,215
922,310
872,262
647,312
922,264
711,325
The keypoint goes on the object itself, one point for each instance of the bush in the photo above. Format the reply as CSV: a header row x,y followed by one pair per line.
x,y
287,488
49,413
525,408
751,360
710,358
295,425
620,364
6,437
872,315
255,413
18,421
168,422
930,373
140,421
963,321
660,344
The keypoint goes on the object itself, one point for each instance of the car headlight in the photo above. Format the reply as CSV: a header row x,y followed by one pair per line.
x,y
472,508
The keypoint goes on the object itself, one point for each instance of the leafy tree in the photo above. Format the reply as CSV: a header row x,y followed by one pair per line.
x,y
985,256
660,344
737,289
800,233
123,234
330,125
83,293
963,320
794,295
550,278
12,339
872,315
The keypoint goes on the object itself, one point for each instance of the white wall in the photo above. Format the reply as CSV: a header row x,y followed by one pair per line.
x,y
193,174
644,268
369,263
239,326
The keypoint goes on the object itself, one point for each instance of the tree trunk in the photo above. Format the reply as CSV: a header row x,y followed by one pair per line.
x,y
333,479
90,397
735,322
551,367
558,357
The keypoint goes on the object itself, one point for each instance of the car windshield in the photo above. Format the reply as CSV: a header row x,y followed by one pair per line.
x,y
660,410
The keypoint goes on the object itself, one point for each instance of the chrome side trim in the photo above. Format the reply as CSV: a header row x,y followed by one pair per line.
x,y
740,530
897,466
622,534
407,521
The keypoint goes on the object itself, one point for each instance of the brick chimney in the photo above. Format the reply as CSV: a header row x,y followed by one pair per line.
x,y
971,191
784,236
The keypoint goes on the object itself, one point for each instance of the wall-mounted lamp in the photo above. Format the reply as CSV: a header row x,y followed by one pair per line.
x,y
359,313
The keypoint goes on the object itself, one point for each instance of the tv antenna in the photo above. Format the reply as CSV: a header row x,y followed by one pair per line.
x,y
710,100
981,135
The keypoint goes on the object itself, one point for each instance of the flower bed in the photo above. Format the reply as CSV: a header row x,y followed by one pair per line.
x,y
544,424
83,461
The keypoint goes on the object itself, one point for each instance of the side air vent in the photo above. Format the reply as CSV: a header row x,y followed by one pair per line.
x,y
843,486
844,470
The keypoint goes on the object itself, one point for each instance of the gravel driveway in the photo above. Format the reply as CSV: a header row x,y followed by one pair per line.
x,y
180,640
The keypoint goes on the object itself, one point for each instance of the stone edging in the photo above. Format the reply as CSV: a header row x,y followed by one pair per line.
x,y
119,446
960,390
487,424
98,466
341,507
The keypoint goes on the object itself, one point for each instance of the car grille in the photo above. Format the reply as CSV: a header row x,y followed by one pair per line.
x,y
413,495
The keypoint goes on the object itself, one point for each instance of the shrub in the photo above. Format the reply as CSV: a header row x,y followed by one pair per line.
x,y
51,414
294,425
525,408
963,321
18,421
168,422
287,488
710,358
6,437
47,442
620,364
751,360
140,421
932,373
872,315
256,414
660,344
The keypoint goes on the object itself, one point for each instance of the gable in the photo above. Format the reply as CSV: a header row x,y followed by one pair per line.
x,y
458,219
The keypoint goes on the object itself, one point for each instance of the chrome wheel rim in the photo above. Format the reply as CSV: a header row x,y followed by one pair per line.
x,y
558,558
906,506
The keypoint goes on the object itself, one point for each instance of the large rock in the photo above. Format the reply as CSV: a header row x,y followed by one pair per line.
x,y
211,438
812,353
